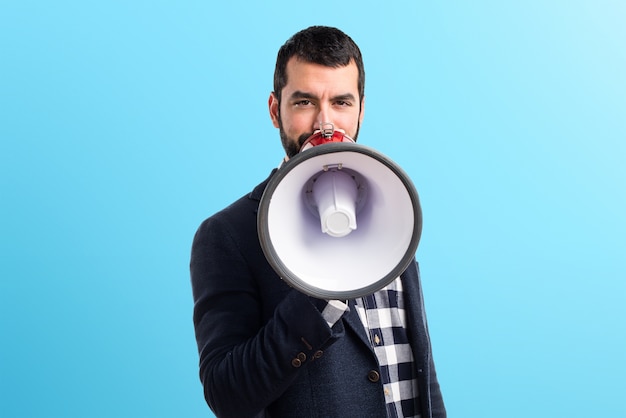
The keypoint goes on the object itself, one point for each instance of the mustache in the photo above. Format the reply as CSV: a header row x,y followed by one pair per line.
x,y
302,138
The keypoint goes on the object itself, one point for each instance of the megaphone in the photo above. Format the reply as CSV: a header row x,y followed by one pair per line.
x,y
339,221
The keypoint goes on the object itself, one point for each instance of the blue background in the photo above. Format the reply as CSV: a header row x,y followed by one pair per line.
x,y
123,124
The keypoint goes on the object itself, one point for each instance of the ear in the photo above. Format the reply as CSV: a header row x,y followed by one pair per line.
x,y
272,103
362,110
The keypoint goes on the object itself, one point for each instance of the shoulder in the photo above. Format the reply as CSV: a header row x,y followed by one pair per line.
x,y
234,225
240,212
411,272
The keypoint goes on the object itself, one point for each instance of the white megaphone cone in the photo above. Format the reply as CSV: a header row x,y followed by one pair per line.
x,y
339,220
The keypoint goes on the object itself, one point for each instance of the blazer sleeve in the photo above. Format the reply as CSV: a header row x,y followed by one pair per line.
x,y
430,391
437,405
247,361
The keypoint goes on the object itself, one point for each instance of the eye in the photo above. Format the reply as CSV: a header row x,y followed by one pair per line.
x,y
303,102
342,103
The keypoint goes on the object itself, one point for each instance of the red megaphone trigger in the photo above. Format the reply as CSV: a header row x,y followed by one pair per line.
x,y
324,137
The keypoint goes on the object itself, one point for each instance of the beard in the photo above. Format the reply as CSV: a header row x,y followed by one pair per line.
x,y
292,146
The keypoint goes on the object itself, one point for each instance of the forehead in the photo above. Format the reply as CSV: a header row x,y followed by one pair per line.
x,y
320,79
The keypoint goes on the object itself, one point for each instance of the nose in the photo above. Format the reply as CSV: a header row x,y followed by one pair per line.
x,y
324,120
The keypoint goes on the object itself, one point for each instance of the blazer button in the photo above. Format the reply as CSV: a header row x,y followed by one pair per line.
x,y
373,376
298,360
318,354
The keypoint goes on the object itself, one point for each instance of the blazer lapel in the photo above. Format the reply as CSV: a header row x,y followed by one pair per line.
x,y
416,319
353,321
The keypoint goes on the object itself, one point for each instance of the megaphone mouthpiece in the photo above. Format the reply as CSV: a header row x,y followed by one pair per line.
x,y
335,195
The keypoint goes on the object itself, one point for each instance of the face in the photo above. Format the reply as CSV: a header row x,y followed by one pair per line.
x,y
316,94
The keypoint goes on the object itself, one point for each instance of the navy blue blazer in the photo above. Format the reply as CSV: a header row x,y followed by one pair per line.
x,y
265,349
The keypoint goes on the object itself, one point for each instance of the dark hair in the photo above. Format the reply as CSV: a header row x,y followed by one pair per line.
x,y
318,45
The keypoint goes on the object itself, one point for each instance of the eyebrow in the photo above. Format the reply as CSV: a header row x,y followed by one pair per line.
x,y
305,95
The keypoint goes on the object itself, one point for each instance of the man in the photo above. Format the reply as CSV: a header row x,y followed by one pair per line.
x,y
265,348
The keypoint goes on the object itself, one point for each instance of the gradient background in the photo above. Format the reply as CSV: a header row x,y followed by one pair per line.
x,y
123,124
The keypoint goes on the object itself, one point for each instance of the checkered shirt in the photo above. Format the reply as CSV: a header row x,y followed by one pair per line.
x,y
384,320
